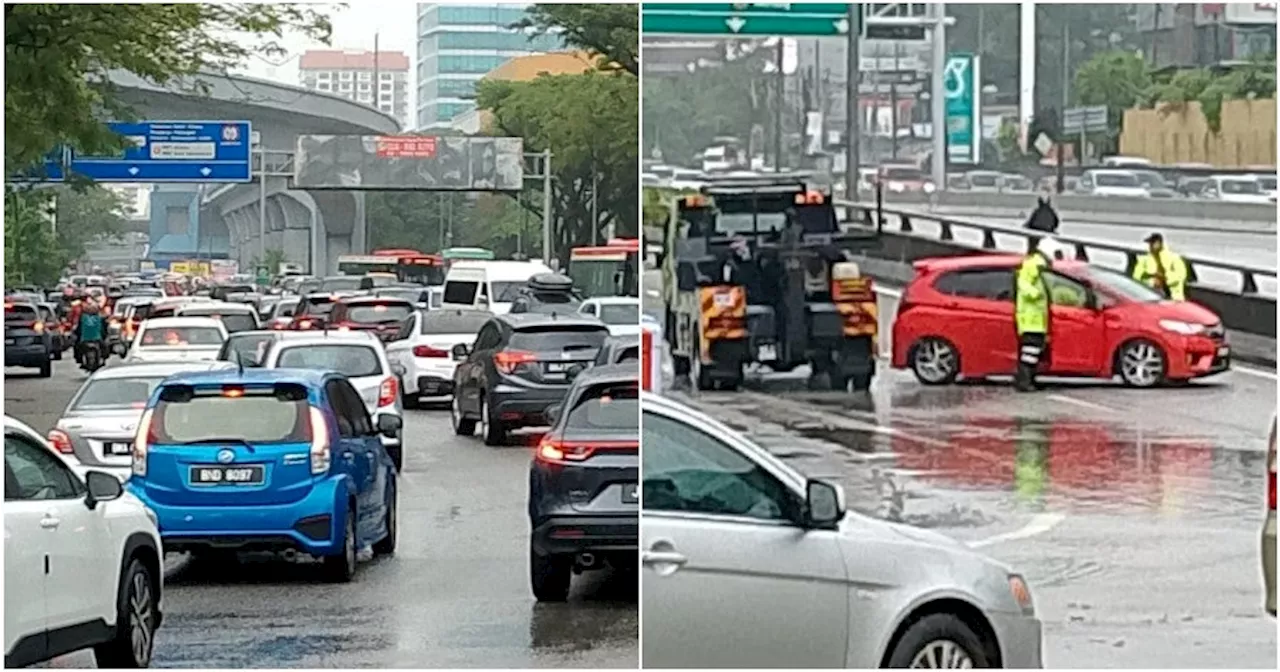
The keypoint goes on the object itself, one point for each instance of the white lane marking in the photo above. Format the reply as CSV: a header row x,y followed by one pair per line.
x,y
1080,402
1260,373
889,291
1039,524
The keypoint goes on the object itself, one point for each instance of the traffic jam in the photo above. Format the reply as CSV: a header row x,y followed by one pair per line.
x,y
427,459
1003,460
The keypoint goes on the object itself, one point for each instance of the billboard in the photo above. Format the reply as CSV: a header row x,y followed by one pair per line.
x,y
961,80
409,163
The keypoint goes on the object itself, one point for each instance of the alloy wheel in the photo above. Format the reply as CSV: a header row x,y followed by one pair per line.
x,y
935,361
942,654
140,619
1142,364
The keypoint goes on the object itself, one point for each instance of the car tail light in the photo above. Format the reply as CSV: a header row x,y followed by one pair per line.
x,y
37,327
320,454
508,360
61,442
304,324
428,351
140,443
555,449
388,392
1271,488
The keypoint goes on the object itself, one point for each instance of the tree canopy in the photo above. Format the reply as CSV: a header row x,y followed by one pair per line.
x,y
58,59
36,250
610,31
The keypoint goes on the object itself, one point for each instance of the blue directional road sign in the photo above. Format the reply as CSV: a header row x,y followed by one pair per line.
x,y
746,18
172,151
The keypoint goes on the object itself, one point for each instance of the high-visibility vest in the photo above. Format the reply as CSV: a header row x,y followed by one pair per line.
x,y
1031,302
1147,271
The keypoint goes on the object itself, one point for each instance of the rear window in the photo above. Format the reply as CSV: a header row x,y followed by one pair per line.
x,y
19,313
1116,180
319,306
1240,187
116,393
376,313
285,309
558,338
987,283
413,295
249,347
234,322
182,336
983,180
457,291
353,361
908,174
622,313
340,284
612,407
454,321
258,416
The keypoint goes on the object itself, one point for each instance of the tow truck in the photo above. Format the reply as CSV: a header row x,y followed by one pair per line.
x,y
757,270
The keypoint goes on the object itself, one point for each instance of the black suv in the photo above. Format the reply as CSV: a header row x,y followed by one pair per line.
x,y
582,482
28,341
520,364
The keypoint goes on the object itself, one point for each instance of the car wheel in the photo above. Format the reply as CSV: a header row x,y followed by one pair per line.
x,y
341,568
1141,363
136,616
46,368
939,641
492,431
935,361
462,426
387,546
549,577
57,355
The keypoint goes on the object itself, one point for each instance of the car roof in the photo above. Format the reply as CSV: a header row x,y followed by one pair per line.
x,y
520,321
163,322
152,369
609,373
308,377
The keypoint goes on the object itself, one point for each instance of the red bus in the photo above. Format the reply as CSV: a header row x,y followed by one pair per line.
x,y
612,269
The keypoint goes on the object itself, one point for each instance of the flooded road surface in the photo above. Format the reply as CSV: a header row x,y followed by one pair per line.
x,y
456,593
1134,514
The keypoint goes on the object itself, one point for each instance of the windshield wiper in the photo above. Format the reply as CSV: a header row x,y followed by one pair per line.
x,y
205,442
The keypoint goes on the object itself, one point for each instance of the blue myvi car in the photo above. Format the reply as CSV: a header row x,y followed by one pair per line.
x,y
267,460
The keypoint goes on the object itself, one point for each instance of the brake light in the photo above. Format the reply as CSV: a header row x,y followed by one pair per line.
x,y
508,360
428,351
1271,489
320,455
37,327
140,443
388,392
304,324
554,449
61,441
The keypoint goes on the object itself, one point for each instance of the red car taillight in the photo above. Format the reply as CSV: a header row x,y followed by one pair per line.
x,y
428,351
61,442
1271,490
388,392
555,449
508,360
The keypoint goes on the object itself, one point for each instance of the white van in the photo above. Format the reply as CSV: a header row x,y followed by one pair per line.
x,y
487,285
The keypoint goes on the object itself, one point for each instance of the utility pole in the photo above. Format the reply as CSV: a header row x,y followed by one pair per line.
x,y
595,212
777,112
262,207
375,70
1062,116
851,104
546,207
939,98
893,102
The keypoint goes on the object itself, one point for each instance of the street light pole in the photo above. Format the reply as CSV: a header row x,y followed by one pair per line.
x,y
546,207
939,124
851,104
777,112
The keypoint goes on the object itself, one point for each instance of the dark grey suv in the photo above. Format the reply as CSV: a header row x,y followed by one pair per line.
x,y
519,365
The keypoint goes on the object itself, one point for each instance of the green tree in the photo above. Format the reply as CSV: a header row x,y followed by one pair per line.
x,y
1255,79
1118,80
609,31
58,58
31,252
86,214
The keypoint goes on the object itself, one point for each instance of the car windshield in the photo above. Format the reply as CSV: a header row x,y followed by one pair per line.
x,y
454,321
340,284
319,306
285,308
1116,180
910,174
620,313
115,393
1240,187
377,313
256,417
612,408
1121,285
181,336
247,346
350,360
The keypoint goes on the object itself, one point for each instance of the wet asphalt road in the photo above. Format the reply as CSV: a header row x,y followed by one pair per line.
x,y
1135,514
455,594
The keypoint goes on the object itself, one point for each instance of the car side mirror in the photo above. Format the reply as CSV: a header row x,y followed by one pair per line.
x,y
482,303
389,425
102,487
824,505
460,352
398,369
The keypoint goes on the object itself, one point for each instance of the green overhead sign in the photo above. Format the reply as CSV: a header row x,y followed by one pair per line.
x,y
747,19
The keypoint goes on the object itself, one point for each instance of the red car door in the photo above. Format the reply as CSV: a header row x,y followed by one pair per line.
x,y
1077,332
978,305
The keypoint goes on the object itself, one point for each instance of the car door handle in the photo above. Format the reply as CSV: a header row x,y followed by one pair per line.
x,y
50,522
664,558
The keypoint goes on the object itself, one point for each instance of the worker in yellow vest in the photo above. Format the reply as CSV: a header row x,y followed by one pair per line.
x,y
1162,269
1031,312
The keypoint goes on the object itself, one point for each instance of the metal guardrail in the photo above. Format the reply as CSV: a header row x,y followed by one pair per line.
x,y
1070,204
874,217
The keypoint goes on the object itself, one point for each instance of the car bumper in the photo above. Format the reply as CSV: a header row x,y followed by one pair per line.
x,y
432,386
1021,640
311,525
26,355
1196,357
524,407
577,534
1269,562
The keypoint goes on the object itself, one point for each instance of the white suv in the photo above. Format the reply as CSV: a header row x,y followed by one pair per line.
x,y
83,564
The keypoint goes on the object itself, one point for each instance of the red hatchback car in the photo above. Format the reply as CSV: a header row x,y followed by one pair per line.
x,y
955,320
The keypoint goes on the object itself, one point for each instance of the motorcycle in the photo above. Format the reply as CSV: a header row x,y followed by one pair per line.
x,y
93,356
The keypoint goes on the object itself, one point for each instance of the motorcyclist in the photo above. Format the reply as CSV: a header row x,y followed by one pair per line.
x,y
91,328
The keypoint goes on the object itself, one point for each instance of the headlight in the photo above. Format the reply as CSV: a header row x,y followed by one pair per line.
x,y
1021,594
929,188
1184,328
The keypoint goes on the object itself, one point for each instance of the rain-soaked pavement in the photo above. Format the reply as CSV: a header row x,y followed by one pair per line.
x,y
455,594
1135,514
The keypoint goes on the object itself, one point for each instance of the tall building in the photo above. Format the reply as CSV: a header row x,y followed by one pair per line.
x,y
457,46
350,74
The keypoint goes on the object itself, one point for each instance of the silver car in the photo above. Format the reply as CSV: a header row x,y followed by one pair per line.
x,y
747,563
99,424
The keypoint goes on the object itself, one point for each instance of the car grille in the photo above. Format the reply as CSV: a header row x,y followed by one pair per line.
x,y
1217,332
